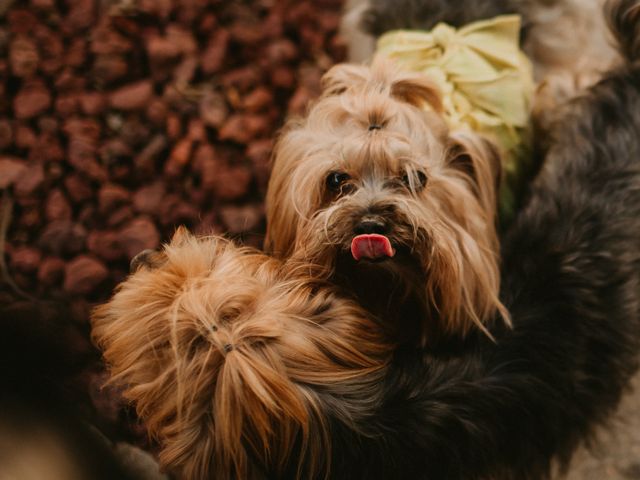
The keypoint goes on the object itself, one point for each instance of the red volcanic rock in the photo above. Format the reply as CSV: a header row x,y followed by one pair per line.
x,y
25,259
83,274
23,57
281,51
178,158
139,234
109,68
24,137
212,59
241,128
157,112
57,206
11,169
283,77
105,244
213,109
81,15
31,180
257,100
93,103
120,216
63,237
241,219
51,271
78,189
146,160
232,183
206,163
6,133
32,99
21,21
148,199
132,97
111,196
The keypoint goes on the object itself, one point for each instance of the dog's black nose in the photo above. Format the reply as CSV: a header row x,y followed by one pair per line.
x,y
371,225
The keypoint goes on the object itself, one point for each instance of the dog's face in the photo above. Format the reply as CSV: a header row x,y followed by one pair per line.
x,y
374,187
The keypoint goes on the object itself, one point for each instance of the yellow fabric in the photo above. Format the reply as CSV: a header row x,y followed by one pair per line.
x,y
485,79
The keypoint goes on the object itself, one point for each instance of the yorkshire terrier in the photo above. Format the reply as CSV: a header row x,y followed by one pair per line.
x,y
317,361
232,357
395,207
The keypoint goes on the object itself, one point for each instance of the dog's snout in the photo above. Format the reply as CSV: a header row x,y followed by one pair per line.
x,y
371,224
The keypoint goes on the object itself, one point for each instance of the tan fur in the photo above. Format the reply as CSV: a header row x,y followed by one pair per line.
x,y
223,349
449,227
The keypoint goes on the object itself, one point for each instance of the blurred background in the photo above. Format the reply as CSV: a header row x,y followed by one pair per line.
x,y
120,120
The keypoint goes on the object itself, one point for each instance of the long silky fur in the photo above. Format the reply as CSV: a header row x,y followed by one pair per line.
x,y
571,281
222,350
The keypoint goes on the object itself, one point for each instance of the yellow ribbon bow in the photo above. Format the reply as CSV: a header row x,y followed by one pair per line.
x,y
485,79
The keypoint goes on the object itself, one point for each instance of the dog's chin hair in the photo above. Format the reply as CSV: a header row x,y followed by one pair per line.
x,y
221,349
449,226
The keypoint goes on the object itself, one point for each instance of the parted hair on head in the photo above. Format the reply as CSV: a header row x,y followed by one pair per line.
x,y
375,144
217,346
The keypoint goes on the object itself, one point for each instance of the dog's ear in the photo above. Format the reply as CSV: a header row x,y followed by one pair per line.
x,y
344,75
479,160
417,91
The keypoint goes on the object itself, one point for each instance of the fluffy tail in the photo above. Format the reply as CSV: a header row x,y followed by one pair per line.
x,y
624,21
223,352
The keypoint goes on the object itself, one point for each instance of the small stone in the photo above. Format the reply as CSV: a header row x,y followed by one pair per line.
x,y
241,219
32,99
31,180
132,97
83,274
232,183
213,56
57,206
11,169
148,199
105,244
25,259
111,196
63,236
23,57
178,158
92,103
78,189
213,109
257,100
138,235
24,137
283,77
51,271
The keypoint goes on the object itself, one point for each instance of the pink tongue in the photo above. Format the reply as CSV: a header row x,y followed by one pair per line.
x,y
371,246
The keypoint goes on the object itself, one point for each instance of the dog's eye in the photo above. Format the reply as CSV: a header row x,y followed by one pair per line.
x,y
335,180
416,179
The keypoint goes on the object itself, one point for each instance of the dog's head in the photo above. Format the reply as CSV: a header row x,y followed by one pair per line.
x,y
373,185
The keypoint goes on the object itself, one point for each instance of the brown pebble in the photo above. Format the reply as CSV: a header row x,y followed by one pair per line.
x,y
23,57
25,259
78,189
11,169
83,274
51,271
139,234
149,198
111,196
31,100
213,56
57,206
31,180
63,237
105,244
132,97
